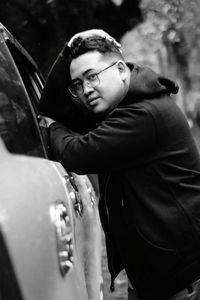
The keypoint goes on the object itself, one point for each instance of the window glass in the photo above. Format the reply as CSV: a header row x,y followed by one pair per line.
x,y
33,82
18,123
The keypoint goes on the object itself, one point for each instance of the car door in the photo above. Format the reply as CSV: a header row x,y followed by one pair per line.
x,y
20,89
38,257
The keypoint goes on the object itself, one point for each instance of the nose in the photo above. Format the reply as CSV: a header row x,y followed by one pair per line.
x,y
87,88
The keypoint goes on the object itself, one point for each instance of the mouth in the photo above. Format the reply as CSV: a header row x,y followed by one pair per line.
x,y
92,100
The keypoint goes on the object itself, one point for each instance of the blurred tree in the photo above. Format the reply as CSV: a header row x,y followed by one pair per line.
x,y
171,30
43,26
170,38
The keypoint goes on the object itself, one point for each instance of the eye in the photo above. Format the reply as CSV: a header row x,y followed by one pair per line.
x,y
92,77
77,85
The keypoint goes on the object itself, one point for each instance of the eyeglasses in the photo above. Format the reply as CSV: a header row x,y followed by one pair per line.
x,y
77,88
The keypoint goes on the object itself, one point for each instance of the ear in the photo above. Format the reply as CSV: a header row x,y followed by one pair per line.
x,y
121,65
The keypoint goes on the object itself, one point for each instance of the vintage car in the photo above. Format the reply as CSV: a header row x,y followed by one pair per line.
x,y
50,236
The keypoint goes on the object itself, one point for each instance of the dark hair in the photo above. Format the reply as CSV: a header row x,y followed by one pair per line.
x,y
94,43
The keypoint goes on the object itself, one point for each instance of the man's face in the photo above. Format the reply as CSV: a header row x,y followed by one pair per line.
x,y
108,88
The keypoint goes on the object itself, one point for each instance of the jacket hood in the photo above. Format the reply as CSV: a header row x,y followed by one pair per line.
x,y
56,101
146,84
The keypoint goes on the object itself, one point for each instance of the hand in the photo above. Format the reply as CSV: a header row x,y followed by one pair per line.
x,y
46,121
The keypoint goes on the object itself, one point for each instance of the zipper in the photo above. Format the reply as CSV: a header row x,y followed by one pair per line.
x,y
105,198
111,266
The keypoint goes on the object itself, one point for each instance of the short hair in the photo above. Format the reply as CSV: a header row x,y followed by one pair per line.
x,y
94,43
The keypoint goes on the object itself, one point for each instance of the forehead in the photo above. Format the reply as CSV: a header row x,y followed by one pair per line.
x,y
85,62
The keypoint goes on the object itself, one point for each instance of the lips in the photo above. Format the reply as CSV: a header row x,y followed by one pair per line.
x,y
92,99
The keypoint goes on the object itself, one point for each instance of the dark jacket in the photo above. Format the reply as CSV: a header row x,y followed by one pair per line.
x,y
149,174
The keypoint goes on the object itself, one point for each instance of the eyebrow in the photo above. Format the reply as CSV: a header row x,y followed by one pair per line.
x,y
89,70
84,73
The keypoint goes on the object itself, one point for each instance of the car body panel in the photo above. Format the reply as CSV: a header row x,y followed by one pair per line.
x,y
29,230
87,232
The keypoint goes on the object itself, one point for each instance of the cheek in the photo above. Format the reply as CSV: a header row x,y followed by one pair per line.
x,y
108,88
113,89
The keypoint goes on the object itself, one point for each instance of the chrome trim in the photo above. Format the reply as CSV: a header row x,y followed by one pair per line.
x,y
64,237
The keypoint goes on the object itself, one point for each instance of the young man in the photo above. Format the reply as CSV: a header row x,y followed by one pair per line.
x,y
148,165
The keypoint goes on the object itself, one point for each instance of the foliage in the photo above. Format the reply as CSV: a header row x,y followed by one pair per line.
x,y
177,22
43,26
170,38
172,31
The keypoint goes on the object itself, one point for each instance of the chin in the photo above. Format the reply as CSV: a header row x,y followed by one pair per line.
x,y
99,110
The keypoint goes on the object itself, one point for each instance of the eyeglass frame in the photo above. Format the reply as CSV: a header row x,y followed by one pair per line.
x,y
90,84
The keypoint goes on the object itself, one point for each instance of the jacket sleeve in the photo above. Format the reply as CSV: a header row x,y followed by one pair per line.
x,y
120,141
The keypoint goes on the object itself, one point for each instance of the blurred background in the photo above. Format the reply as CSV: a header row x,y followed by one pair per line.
x,y
162,34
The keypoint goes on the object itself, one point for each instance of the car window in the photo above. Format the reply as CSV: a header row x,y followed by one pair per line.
x,y
34,83
31,77
18,118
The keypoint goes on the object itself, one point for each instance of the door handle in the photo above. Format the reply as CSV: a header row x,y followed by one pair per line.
x,y
64,237
74,195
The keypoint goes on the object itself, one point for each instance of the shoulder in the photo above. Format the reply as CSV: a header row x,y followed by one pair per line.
x,y
130,117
